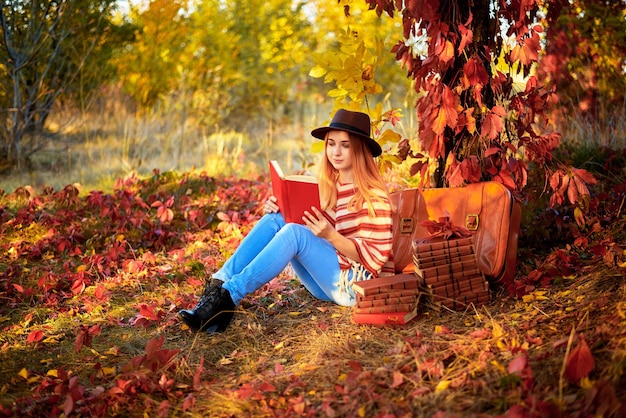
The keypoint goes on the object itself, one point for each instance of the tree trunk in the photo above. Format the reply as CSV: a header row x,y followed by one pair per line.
x,y
454,13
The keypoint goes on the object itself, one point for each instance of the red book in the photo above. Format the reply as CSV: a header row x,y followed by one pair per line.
x,y
401,307
393,294
386,284
456,269
392,318
294,194
390,301
426,247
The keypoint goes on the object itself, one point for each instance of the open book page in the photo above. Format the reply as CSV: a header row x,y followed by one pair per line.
x,y
294,193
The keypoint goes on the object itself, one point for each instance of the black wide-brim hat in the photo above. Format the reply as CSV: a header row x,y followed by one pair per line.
x,y
356,123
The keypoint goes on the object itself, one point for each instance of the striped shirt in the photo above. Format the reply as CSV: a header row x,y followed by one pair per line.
x,y
372,236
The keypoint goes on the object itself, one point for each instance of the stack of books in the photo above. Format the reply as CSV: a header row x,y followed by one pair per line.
x,y
450,273
387,300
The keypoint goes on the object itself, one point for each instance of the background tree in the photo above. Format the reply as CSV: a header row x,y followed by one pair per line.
x,y
151,66
44,47
482,111
586,57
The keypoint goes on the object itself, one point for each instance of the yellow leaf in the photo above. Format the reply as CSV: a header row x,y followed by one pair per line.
x,y
23,374
498,366
497,331
108,371
4,318
389,136
53,373
316,147
441,386
337,93
279,345
362,411
82,267
317,71
586,383
119,238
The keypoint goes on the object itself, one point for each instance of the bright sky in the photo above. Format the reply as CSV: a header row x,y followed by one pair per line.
x,y
124,5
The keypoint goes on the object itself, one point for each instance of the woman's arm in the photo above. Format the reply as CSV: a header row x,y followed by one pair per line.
x,y
318,224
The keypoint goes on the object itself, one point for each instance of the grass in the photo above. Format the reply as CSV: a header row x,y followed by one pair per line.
x,y
96,149
287,354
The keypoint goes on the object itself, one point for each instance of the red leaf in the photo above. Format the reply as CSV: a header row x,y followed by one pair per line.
x,y
466,37
80,338
78,286
100,292
398,379
34,336
470,169
579,362
267,387
148,312
584,175
447,54
68,405
454,176
517,365
475,72
246,390
189,402
492,125
197,377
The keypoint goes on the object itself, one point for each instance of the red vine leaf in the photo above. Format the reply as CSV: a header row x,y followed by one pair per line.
x,y
34,336
579,362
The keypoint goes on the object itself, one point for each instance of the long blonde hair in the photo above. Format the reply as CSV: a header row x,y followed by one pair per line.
x,y
366,178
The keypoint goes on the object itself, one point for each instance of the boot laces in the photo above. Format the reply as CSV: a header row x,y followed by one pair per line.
x,y
210,294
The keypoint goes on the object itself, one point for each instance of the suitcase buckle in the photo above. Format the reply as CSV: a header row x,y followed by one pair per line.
x,y
406,225
471,222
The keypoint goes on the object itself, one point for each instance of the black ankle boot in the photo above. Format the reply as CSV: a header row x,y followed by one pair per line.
x,y
214,310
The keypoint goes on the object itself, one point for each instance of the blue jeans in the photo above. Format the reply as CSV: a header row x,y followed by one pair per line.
x,y
269,247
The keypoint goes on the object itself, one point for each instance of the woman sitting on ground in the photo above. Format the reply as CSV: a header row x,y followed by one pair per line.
x,y
348,239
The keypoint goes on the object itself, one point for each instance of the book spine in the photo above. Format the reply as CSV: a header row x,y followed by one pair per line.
x,y
433,262
384,289
451,289
389,301
457,269
454,276
393,294
386,284
402,307
443,253
397,318
421,246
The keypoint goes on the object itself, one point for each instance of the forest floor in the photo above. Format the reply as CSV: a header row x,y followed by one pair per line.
x,y
90,286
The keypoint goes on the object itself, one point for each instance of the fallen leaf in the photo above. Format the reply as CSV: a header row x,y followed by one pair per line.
x,y
579,362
